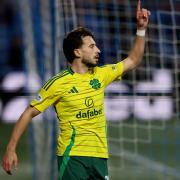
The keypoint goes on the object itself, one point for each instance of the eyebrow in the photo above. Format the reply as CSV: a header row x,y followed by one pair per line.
x,y
92,44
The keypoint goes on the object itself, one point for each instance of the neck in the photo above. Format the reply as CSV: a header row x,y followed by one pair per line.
x,y
79,68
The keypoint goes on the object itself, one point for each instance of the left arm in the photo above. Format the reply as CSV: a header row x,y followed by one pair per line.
x,y
137,51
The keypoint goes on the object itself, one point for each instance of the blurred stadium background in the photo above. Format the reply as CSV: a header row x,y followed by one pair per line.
x,y
142,110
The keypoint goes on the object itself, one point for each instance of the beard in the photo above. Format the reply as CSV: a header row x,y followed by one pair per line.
x,y
90,64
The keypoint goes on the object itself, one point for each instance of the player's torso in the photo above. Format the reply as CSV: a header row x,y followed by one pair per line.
x,y
82,107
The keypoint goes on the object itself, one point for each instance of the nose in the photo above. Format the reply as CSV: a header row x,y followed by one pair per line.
x,y
98,50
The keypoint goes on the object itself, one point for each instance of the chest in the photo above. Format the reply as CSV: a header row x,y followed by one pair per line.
x,y
83,93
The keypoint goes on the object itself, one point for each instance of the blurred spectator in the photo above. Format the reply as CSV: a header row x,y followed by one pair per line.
x,y
6,12
10,38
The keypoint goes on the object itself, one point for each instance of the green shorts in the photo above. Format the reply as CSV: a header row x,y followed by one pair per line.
x,y
82,168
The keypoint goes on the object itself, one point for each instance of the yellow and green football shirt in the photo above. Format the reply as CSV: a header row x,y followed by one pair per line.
x,y
79,103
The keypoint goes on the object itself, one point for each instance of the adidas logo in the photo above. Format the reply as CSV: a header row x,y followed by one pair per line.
x,y
73,90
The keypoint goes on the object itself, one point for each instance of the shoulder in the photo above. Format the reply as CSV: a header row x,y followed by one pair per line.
x,y
109,67
56,79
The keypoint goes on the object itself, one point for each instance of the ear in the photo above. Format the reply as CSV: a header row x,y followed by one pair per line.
x,y
77,53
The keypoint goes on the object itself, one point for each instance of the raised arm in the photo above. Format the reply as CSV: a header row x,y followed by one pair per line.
x,y
136,53
10,157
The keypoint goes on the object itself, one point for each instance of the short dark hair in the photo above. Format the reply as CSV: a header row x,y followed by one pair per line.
x,y
73,40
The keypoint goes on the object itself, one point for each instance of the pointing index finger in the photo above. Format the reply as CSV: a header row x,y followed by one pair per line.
x,y
139,6
138,13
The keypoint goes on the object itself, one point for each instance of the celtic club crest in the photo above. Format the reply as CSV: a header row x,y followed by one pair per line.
x,y
95,84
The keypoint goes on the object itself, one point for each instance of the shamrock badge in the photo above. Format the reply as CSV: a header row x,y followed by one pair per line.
x,y
95,84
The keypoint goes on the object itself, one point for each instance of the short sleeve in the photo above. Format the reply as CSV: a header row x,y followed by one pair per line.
x,y
44,99
113,72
